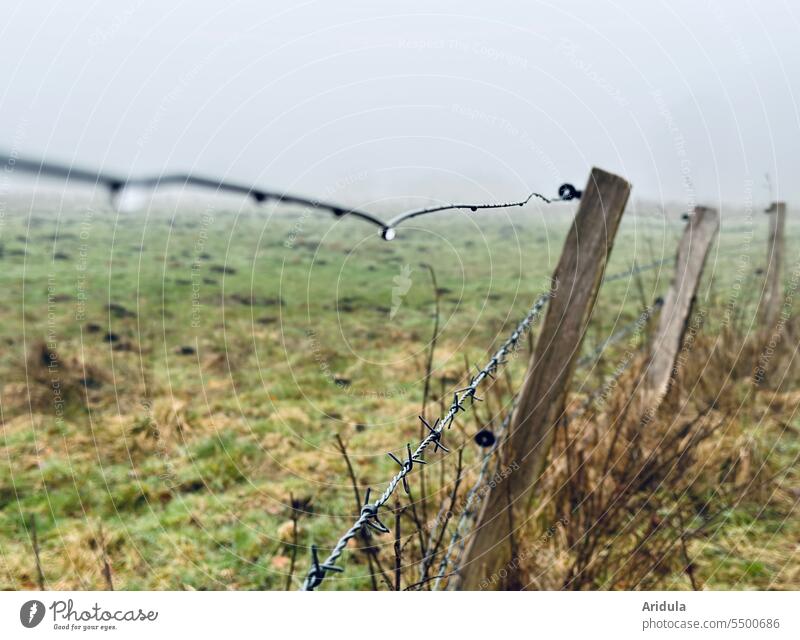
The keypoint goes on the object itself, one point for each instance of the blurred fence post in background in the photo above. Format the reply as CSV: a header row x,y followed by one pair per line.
x,y
698,236
773,290
542,399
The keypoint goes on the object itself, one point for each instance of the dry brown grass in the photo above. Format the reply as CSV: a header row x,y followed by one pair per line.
x,y
670,502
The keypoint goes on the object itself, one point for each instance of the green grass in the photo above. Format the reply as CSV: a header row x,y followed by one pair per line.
x,y
218,395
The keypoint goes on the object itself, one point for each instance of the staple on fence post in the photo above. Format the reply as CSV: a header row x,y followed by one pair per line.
x,y
543,396
693,248
771,300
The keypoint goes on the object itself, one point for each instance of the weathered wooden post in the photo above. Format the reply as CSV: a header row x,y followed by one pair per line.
x,y
693,248
543,396
773,290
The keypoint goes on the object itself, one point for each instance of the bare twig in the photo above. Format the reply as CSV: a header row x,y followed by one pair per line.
x,y
104,558
427,384
295,516
398,550
417,585
689,568
350,472
433,549
35,545
370,549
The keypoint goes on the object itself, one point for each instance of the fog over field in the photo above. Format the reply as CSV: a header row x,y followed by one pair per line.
x,y
689,100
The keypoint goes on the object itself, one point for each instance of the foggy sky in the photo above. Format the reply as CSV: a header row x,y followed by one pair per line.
x,y
369,101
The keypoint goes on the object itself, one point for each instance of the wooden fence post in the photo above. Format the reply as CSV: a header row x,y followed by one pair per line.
x,y
543,396
693,249
773,290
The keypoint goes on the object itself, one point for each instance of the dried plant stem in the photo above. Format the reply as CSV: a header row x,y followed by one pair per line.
x,y
398,549
107,576
427,382
368,548
295,516
35,544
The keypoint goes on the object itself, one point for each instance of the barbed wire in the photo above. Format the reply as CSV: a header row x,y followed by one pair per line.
x,y
370,511
566,192
116,186
637,269
622,333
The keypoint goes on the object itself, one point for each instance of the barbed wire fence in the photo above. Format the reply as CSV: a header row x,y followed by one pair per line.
x,y
467,514
467,520
369,516
450,558
119,187
369,512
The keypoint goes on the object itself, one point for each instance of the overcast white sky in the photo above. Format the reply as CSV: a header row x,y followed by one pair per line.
x,y
687,99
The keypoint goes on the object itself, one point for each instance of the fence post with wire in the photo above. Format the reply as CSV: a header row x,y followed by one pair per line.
x,y
772,299
693,248
542,398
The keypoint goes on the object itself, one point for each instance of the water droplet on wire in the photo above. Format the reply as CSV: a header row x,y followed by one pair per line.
x,y
129,199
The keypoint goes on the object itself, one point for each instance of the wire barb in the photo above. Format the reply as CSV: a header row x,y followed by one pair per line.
x,y
435,434
317,572
407,465
369,512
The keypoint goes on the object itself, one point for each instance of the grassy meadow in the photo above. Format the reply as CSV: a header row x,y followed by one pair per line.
x,y
171,380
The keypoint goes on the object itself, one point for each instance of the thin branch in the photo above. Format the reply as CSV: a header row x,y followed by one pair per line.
x,y
434,549
369,548
295,516
350,472
416,585
107,576
35,544
427,384
398,549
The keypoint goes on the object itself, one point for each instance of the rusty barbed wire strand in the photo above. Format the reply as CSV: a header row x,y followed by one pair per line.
x,y
370,510
116,185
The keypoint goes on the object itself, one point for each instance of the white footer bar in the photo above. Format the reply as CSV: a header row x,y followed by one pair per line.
x,y
388,616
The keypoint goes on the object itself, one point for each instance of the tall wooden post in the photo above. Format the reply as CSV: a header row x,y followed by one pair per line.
x,y
543,396
773,290
693,247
